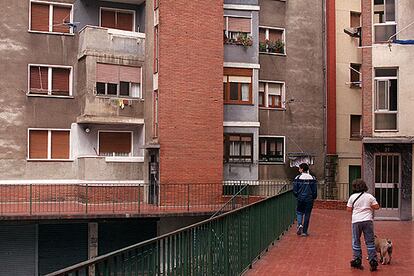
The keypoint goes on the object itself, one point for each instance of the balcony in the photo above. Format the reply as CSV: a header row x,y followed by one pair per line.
x,y
98,41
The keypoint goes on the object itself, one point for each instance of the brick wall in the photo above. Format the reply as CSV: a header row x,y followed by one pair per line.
x,y
330,204
190,92
367,68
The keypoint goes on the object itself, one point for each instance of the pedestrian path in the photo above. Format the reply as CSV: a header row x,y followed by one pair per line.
x,y
327,251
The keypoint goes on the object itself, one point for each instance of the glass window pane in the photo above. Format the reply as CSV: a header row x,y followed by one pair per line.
x,y
261,99
124,88
245,91
386,121
136,90
384,32
234,91
385,72
384,164
390,175
382,91
112,88
100,88
389,10
393,95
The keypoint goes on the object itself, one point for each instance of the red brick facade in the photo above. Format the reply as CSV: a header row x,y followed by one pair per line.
x,y
367,68
190,91
330,204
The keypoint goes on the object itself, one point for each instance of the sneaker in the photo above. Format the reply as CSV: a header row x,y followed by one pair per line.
x,y
300,230
356,263
373,264
304,234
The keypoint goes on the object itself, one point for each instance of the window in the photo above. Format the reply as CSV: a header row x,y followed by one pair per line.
x,y
118,19
355,127
237,30
47,80
49,144
237,86
155,114
271,94
271,40
386,99
272,149
238,148
355,19
50,17
385,24
355,75
118,80
115,143
156,51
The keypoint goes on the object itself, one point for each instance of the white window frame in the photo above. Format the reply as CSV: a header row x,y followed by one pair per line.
x,y
134,18
51,5
376,98
266,97
226,22
120,131
49,144
49,80
284,150
267,28
394,22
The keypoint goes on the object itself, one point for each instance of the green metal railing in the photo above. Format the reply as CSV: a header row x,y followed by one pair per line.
x,y
227,244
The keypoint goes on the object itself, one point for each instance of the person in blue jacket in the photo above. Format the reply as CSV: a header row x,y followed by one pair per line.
x,y
305,191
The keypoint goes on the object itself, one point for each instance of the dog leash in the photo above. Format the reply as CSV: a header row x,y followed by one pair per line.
x,y
357,199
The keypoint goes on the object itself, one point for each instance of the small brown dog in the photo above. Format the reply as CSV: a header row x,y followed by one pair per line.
x,y
384,247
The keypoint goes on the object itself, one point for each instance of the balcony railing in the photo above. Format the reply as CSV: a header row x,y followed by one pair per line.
x,y
93,199
224,245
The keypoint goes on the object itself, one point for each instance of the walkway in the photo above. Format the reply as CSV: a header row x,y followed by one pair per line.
x,y
327,251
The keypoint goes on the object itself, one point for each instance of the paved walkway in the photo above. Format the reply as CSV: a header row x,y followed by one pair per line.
x,y
327,251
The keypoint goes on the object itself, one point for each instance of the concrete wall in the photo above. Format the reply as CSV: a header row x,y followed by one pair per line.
x,y
87,12
348,100
302,69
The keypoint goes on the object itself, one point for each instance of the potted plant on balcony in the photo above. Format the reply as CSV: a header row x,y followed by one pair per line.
x,y
275,46
262,47
245,40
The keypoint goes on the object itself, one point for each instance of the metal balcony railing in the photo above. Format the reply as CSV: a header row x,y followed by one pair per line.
x,y
87,199
224,245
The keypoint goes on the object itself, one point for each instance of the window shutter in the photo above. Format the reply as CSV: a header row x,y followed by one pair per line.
x,y
38,80
108,19
125,21
60,81
115,142
130,74
275,89
61,15
262,35
60,144
239,25
38,144
275,35
107,73
40,17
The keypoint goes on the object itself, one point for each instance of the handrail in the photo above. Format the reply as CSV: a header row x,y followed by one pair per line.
x,y
203,225
230,200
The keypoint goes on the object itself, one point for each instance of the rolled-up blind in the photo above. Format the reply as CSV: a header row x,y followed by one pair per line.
x,y
39,17
60,81
275,89
115,142
130,74
275,35
108,73
61,15
125,21
108,19
38,144
38,80
262,35
239,24
60,144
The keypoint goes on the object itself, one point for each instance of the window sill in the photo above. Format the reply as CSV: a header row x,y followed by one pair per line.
x,y
49,96
126,159
49,160
386,130
118,98
355,138
230,103
50,33
273,108
271,163
273,54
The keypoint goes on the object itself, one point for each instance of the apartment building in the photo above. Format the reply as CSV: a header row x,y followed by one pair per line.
x,y
344,94
387,34
291,88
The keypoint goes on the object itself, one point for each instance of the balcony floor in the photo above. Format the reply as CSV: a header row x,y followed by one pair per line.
x,y
327,250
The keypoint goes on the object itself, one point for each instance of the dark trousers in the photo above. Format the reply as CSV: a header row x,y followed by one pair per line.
x,y
303,213
366,227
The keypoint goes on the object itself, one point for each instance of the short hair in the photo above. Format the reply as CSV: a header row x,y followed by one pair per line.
x,y
304,167
359,185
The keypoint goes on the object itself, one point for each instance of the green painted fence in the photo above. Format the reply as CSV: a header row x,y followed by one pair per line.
x,y
224,245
